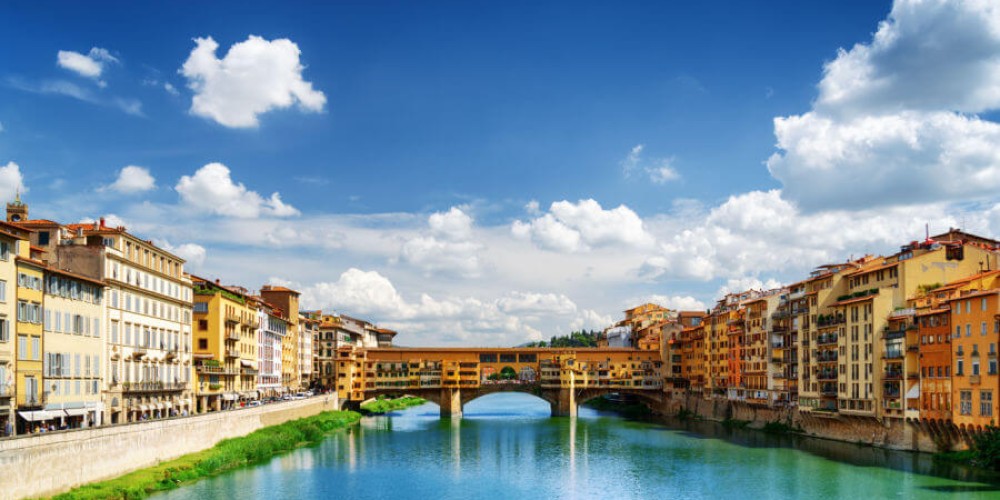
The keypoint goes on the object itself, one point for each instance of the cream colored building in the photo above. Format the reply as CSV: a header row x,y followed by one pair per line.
x,y
148,355
74,337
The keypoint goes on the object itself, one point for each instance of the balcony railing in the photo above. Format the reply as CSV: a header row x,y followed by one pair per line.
x,y
233,336
152,386
893,354
826,339
892,375
232,353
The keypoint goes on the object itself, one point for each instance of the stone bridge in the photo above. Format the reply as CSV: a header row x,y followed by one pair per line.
x,y
452,377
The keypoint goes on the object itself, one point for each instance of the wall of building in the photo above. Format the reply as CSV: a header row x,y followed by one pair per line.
x,y
56,462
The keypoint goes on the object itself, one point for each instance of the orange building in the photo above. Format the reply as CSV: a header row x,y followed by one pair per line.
x,y
976,332
934,332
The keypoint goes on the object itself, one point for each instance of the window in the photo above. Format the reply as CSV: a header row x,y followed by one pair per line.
x,y
982,328
960,367
22,347
965,403
975,366
202,344
4,250
982,305
203,324
968,329
36,348
992,366
986,403
4,330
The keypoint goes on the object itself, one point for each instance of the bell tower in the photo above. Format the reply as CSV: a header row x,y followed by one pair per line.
x,y
17,211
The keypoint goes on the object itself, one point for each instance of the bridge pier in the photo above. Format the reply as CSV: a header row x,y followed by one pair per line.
x,y
565,405
451,403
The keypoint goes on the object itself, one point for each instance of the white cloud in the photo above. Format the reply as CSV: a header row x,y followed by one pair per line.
x,y
575,227
211,189
738,285
169,87
588,319
452,320
675,302
892,124
254,77
761,232
193,253
132,179
549,303
90,65
11,181
446,247
659,170
70,89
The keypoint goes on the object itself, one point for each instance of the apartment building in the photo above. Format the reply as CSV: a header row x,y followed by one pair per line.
x,y
287,300
10,240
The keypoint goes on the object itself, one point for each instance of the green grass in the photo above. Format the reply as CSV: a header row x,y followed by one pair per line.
x,y
386,405
256,447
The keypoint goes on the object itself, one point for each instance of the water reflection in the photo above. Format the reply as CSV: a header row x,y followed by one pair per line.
x,y
506,446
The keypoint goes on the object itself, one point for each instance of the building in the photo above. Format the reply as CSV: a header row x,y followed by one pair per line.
x,y
73,340
288,301
817,373
11,239
225,325
308,330
273,328
31,391
976,327
148,307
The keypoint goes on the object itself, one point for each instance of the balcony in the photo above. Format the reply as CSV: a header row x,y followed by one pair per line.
x,y
825,320
138,352
209,369
903,313
974,379
823,340
232,353
888,334
232,317
826,356
893,354
892,375
152,386
826,375
233,336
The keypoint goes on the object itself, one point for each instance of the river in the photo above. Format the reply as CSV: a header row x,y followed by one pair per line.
x,y
507,447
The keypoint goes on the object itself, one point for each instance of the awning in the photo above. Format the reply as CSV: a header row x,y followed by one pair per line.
x,y
246,363
229,396
143,408
914,392
39,415
77,412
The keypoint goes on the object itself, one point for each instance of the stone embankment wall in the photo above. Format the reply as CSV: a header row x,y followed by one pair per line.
x,y
895,434
46,464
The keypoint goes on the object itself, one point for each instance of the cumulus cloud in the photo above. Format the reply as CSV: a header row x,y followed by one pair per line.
x,y
89,65
11,181
575,227
894,121
132,179
193,253
449,320
254,77
447,246
675,302
549,303
761,232
211,189
588,319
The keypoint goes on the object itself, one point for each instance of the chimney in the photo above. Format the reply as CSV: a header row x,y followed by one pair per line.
x,y
102,223
217,281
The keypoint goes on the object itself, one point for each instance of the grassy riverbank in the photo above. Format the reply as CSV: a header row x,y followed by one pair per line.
x,y
386,405
256,447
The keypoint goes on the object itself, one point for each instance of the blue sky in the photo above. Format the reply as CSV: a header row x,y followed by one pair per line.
x,y
497,172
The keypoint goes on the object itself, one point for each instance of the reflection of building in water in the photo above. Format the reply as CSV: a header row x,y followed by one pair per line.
x,y
456,446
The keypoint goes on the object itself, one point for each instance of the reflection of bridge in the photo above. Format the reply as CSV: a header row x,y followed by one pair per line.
x,y
453,377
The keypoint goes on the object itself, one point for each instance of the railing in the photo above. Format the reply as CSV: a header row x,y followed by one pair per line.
x,y
233,336
827,375
893,354
209,369
830,320
153,386
826,339
893,334
232,353
892,375
903,313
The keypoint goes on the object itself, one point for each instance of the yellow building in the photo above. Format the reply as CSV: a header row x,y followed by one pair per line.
x,y
819,354
9,238
225,323
73,342
31,391
873,368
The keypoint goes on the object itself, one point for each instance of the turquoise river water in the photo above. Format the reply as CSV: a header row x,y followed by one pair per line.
x,y
507,447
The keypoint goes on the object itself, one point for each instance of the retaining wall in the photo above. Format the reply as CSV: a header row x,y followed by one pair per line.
x,y
50,463
895,434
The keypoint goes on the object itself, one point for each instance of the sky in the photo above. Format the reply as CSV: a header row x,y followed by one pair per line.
x,y
484,173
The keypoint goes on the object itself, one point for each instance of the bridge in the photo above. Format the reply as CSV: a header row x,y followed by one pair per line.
x,y
451,377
